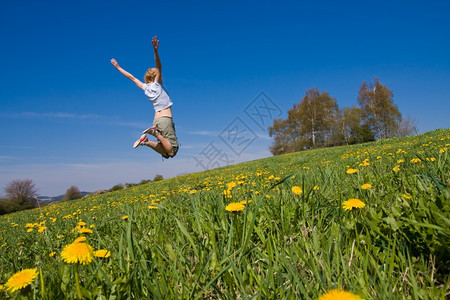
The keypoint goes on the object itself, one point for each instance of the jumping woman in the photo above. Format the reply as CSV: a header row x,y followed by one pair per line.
x,y
163,128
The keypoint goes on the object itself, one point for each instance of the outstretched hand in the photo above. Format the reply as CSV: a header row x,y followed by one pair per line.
x,y
115,63
155,43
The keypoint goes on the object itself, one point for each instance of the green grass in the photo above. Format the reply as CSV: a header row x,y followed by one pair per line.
x,y
282,246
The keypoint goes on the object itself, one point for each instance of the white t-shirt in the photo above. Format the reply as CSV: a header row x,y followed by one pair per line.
x,y
158,95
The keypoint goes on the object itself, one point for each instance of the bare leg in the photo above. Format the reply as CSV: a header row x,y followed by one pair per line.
x,y
166,145
163,146
157,146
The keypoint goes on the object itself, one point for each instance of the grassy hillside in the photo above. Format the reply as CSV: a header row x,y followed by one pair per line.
x,y
371,219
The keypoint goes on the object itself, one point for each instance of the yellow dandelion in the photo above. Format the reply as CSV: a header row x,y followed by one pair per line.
x,y
81,223
102,253
20,244
80,239
339,295
152,207
396,168
41,229
246,201
400,161
29,225
51,254
125,218
235,207
297,190
29,229
77,253
21,279
231,185
442,150
3,245
366,186
407,197
415,160
227,193
352,171
316,188
1,287
353,203
85,230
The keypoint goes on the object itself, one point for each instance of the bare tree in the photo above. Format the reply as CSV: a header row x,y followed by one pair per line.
x,y
23,192
407,126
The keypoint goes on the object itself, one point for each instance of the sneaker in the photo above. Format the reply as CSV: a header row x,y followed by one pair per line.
x,y
152,130
140,141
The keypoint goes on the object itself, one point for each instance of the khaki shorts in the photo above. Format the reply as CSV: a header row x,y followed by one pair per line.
x,y
167,128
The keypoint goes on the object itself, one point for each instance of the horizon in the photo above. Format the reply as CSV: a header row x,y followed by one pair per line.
x,y
68,118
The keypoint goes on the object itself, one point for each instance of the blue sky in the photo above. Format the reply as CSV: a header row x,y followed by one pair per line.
x,y
67,117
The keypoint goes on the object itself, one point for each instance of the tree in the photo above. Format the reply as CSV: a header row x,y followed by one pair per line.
x,y
379,111
158,177
355,131
318,113
72,193
309,124
22,192
407,126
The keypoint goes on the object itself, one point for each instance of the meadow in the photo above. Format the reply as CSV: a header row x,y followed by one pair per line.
x,y
370,219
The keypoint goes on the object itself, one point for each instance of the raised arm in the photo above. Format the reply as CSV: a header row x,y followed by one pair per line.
x,y
126,74
155,43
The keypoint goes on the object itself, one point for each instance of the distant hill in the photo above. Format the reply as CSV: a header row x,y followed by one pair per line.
x,y
47,199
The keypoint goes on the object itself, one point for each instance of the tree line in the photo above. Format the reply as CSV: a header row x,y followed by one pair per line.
x,y
317,121
23,194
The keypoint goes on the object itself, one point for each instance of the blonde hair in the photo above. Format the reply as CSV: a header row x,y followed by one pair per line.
x,y
150,75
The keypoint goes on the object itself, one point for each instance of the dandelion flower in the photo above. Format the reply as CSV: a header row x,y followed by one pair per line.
x,y
77,253
52,254
102,253
366,186
235,207
316,188
246,201
407,197
152,207
352,171
231,185
415,160
1,287
80,239
442,150
339,295
20,280
353,203
125,218
297,190
396,168
85,230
